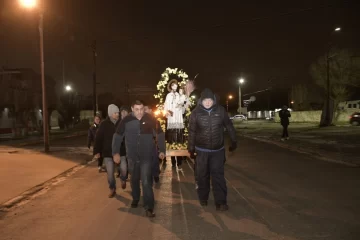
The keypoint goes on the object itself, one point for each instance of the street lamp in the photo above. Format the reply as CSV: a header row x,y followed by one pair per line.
x,y
30,4
227,102
241,81
68,88
328,57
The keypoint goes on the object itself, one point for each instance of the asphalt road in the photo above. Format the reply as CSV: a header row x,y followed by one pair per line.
x,y
273,194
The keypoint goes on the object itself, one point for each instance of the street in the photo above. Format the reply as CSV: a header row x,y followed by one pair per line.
x,y
273,194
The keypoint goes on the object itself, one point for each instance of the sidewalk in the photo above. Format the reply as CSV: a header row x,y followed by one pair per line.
x,y
31,140
336,144
24,169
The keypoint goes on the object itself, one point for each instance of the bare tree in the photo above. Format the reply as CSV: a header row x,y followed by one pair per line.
x,y
343,75
299,94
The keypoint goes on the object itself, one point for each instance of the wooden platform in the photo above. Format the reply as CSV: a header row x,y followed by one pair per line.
x,y
180,153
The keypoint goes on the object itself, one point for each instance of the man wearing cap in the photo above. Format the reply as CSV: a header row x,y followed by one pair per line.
x,y
206,141
103,147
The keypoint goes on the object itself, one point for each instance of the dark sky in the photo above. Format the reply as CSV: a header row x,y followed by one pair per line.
x,y
220,40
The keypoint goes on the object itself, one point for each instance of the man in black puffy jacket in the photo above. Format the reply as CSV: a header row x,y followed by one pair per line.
x,y
206,140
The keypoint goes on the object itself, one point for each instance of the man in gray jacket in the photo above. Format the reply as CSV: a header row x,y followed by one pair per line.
x,y
139,129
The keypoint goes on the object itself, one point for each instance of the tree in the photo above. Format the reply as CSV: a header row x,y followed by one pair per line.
x,y
299,94
343,74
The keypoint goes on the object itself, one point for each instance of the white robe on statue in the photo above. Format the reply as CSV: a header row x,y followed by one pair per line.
x,y
173,104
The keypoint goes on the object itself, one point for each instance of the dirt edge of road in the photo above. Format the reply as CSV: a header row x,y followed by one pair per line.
x,y
303,151
40,189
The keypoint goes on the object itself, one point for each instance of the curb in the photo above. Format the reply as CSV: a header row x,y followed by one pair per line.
x,y
303,151
44,186
55,138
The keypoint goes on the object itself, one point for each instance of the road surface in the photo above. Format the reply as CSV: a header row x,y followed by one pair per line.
x,y
273,194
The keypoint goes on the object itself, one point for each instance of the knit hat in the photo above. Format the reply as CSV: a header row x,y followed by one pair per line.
x,y
207,93
112,108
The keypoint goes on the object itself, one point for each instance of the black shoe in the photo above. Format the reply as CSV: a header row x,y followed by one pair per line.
x,y
203,203
150,213
134,203
222,207
156,179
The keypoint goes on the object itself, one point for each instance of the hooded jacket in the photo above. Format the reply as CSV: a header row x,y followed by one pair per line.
x,y
139,137
103,139
206,126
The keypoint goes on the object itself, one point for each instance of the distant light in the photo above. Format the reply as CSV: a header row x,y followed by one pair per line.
x,y
292,102
28,3
193,96
230,96
68,88
40,110
337,29
241,81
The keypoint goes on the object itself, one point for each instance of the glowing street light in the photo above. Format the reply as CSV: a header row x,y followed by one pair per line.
x,y
227,102
28,3
68,88
337,29
241,81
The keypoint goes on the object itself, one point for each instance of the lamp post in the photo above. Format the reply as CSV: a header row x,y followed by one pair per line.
x,y
227,102
328,118
241,81
30,4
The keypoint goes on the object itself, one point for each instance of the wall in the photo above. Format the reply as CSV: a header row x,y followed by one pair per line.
x,y
314,116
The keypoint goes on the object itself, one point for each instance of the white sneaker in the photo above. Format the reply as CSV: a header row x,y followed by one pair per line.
x,y
287,138
196,186
282,139
100,169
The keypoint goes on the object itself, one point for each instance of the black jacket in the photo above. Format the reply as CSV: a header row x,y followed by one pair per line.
x,y
104,136
206,128
139,137
91,134
284,117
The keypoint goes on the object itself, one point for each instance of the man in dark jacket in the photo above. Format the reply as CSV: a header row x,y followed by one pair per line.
x,y
206,140
156,166
91,138
139,129
103,147
284,115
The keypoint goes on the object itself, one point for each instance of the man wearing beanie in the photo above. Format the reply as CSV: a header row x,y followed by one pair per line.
x,y
103,148
206,141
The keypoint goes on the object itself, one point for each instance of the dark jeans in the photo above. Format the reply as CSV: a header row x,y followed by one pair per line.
x,y
142,170
100,161
211,164
155,164
176,159
285,131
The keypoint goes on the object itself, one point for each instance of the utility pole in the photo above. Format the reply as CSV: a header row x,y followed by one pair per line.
x,y
63,74
95,106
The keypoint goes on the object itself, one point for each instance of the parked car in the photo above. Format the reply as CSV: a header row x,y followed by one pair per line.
x,y
239,117
355,119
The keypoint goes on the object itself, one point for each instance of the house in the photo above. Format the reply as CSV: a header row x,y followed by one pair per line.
x,y
350,105
21,101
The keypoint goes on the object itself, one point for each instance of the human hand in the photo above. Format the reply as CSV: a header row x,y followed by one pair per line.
x,y
162,155
116,158
233,147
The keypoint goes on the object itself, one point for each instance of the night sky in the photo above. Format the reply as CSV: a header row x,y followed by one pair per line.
x,y
219,40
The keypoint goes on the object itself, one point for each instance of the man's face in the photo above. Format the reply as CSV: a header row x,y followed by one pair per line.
x,y
147,110
174,86
207,103
138,111
115,116
97,120
124,113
